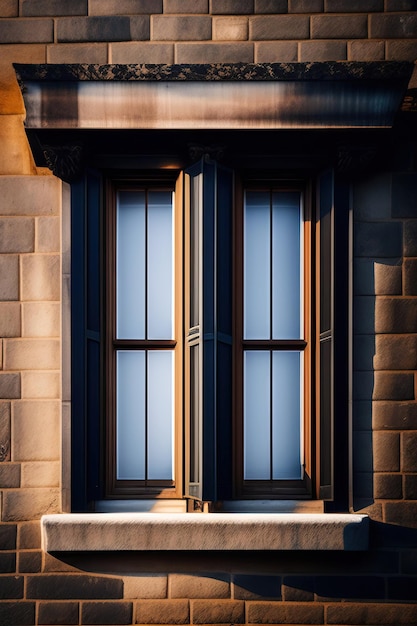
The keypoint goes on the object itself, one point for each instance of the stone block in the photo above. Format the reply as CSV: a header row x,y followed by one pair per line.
x,y
276,52
256,587
77,53
281,27
31,354
36,431
29,504
353,6
8,534
366,50
395,415
190,586
22,53
9,277
401,588
395,352
41,474
363,352
395,315
404,514
40,385
9,476
349,587
59,613
106,612
231,7
116,28
339,26
400,5
393,386
284,613
30,195
9,386
145,586
180,28
383,613
409,561
362,455
386,450
52,564
29,562
132,52
388,278
393,26
26,31
70,587
409,452
15,155
404,195
48,234
17,234
397,50
9,8
124,7
214,53
271,6
378,239
17,613
162,612
53,8
4,431
410,487
322,51
410,277
218,611
388,486
40,277
371,199
41,319
305,6
140,28
230,28
364,315
10,319
186,6
29,537
7,565
298,589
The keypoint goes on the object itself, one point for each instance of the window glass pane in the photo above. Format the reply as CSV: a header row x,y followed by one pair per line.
x,y
130,273
286,415
286,257
160,265
196,199
257,262
131,406
160,414
257,411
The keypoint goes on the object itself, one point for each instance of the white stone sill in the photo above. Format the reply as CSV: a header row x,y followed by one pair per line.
x,y
204,531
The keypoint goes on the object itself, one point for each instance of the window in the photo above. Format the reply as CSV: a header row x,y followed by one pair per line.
x,y
207,334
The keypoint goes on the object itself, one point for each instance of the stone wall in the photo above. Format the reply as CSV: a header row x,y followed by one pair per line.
x,y
375,587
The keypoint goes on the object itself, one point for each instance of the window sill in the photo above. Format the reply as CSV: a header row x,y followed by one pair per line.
x,y
199,531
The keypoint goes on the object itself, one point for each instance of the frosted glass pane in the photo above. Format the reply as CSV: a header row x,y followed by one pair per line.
x,y
160,265
195,243
160,415
257,411
130,265
131,404
257,290
286,283
286,415
194,413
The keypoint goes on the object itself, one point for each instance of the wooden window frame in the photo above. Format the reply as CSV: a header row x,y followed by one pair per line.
x,y
275,489
122,488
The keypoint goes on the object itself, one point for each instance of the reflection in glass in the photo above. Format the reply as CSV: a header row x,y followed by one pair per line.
x,y
257,262
286,415
257,415
131,264
160,414
286,296
131,410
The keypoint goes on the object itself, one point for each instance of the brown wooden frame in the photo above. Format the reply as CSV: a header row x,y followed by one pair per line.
x,y
288,489
116,488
